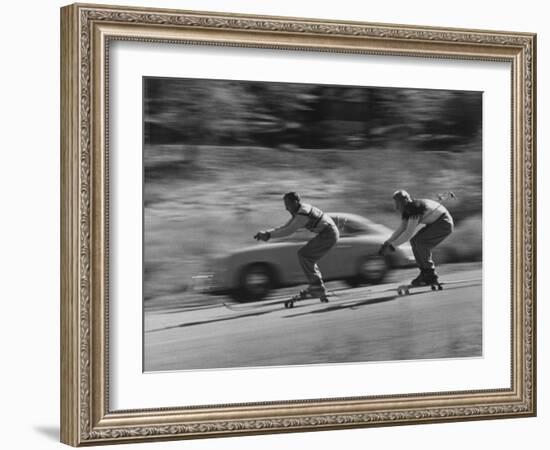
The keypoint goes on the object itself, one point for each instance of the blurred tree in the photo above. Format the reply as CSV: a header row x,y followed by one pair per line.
x,y
224,112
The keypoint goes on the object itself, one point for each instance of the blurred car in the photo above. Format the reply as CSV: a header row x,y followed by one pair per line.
x,y
250,273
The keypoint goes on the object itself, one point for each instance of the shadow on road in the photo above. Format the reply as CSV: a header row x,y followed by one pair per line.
x,y
206,322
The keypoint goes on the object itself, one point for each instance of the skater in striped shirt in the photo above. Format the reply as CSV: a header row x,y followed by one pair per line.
x,y
326,232
438,224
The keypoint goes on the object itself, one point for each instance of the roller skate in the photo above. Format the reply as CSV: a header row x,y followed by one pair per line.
x,y
427,277
309,292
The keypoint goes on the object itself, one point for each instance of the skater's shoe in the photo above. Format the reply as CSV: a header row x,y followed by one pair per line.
x,y
316,290
321,292
430,277
303,294
419,280
312,292
309,292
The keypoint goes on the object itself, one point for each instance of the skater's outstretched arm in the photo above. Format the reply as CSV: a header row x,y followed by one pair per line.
x,y
399,230
293,225
298,221
407,233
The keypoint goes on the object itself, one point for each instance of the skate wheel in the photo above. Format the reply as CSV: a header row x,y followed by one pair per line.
x,y
433,287
400,291
287,304
439,287
291,304
407,292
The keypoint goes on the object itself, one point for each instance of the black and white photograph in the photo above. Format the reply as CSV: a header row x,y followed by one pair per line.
x,y
295,224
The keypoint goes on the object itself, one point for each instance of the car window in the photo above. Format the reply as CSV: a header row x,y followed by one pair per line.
x,y
350,227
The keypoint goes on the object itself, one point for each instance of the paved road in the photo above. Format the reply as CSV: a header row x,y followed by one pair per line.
x,y
370,323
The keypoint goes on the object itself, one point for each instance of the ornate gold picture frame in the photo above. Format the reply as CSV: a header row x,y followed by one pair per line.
x,y
87,416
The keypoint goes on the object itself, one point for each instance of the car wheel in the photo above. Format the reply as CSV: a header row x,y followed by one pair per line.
x,y
255,283
370,270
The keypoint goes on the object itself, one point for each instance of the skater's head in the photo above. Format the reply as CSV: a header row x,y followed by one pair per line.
x,y
400,199
292,202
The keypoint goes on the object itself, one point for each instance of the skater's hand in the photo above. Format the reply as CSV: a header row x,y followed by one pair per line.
x,y
262,236
385,247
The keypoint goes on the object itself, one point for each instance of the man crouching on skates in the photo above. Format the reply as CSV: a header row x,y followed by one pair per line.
x,y
438,225
313,219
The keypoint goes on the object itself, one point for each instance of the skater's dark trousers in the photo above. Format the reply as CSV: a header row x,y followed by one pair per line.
x,y
314,250
428,237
